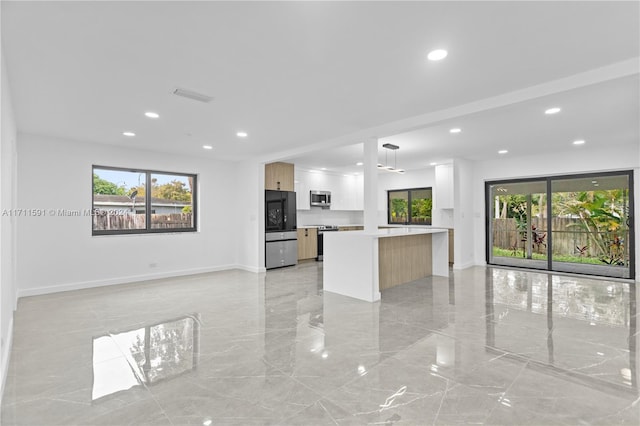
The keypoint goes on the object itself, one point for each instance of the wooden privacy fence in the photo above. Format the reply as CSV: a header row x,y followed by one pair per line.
x,y
567,234
173,220
110,222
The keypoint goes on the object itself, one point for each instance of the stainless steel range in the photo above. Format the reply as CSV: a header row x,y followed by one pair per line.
x,y
321,230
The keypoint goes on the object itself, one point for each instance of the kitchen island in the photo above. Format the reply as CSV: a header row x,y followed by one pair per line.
x,y
360,264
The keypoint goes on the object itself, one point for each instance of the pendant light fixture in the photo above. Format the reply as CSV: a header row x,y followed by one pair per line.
x,y
386,166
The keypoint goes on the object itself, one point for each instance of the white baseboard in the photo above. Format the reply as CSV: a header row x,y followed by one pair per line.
x,y
458,266
6,356
251,268
127,279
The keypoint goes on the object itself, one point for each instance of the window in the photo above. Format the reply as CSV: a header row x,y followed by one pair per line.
x,y
409,206
129,201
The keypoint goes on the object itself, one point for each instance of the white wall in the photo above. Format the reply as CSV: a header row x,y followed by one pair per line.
x,y
580,161
319,216
249,201
59,253
7,231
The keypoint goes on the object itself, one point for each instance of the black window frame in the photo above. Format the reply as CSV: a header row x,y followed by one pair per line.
x,y
409,200
549,179
148,203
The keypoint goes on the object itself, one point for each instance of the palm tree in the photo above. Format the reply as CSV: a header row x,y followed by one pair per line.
x,y
600,214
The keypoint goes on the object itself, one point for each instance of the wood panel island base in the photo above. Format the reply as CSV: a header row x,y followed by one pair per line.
x,y
359,264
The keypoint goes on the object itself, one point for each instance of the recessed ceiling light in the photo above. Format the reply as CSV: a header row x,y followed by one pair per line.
x,y
207,146
553,110
502,151
130,134
578,142
151,114
323,168
359,163
455,130
242,134
433,164
437,55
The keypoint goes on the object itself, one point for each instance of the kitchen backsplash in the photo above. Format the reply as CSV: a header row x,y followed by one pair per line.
x,y
329,217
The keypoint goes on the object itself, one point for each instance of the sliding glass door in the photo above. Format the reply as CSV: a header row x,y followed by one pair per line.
x,y
518,226
591,225
581,224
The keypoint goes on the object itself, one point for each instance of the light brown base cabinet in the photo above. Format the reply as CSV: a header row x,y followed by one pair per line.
x,y
307,243
404,259
350,228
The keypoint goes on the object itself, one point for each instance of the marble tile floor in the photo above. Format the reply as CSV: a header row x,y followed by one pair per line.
x,y
486,346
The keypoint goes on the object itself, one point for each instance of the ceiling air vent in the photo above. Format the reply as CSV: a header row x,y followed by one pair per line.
x,y
190,94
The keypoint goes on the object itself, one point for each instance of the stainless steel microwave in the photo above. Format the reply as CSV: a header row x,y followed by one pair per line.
x,y
320,198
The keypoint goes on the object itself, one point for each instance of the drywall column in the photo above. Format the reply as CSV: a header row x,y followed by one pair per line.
x,y
8,183
371,185
249,180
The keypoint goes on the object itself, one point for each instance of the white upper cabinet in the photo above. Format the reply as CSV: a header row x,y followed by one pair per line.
x,y
301,186
443,190
306,181
352,193
346,191
359,192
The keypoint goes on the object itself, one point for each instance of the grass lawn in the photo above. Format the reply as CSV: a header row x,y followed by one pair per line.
x,y
499,252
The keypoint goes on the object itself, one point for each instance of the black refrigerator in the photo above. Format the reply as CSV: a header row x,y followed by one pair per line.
x,y
281,237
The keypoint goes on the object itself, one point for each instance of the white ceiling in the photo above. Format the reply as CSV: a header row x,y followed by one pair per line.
x,y
299,76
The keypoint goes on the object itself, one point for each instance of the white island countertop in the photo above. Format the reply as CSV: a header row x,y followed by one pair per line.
x,y
351,259
394,232
389,229
406,230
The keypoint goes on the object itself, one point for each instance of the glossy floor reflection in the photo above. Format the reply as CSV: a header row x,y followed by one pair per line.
x,y
487,346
